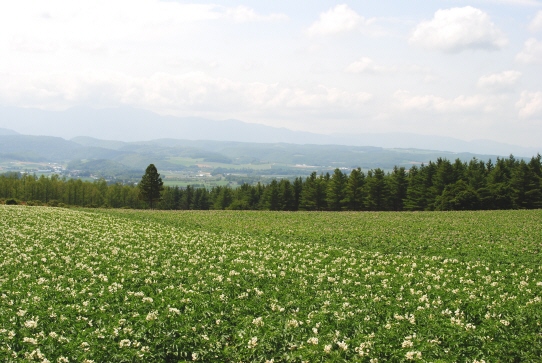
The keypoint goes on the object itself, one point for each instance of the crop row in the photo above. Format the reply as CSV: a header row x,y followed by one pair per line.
x,y
96,287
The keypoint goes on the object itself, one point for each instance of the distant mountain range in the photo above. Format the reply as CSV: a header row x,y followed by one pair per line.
x,y
127,160
131,125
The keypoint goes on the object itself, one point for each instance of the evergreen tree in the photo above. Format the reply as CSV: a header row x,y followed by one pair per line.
x,y
313,194
499,186
355,190
398,184
458,196
377,190
151,186
416,197
443,176
286,197
187,198
167,201
336,190
298,187
224,197
271,196
201,199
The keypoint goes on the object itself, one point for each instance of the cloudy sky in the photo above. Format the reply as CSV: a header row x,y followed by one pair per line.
x,y
467,69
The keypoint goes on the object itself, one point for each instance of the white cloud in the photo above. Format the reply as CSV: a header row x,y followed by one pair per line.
x,y
530,105
516,2
536,23
458,29
337,20
440,104
531,53
193,93
499,81
367,65
33,25
243,14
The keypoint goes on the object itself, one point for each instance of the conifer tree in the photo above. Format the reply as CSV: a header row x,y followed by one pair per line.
x,y
151,186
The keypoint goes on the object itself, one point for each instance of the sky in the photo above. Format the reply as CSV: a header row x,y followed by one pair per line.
x,y
465,69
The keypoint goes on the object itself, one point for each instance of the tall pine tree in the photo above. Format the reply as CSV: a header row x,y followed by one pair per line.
x,y
151,186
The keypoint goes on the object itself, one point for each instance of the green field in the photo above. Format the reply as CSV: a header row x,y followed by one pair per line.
x,y
187,161
219,286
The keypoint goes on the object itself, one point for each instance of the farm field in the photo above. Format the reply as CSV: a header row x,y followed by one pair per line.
x,y
227,286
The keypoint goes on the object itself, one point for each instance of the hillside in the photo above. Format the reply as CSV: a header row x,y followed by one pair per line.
x,y
133,125
109,158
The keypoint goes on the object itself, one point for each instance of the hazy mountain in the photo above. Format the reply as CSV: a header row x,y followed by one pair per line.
x,y
4,132
127,160
49,148
129,124
408,140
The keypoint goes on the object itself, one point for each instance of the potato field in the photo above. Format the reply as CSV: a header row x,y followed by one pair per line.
x,y
225,286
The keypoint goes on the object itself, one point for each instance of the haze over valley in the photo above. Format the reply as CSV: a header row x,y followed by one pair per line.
x,y
459,76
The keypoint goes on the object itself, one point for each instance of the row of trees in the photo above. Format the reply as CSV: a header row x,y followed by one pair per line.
x,y
442,185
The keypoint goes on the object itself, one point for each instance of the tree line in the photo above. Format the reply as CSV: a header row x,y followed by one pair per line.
x,y
508,183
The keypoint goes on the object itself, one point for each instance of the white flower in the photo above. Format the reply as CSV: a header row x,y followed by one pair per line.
x,y
342,345
292,323
253,342
31,323
413,355
327,348
258,321
124,343
313,340
30,340
153,315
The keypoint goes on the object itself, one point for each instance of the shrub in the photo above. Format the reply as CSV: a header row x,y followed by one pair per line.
x,y
33,203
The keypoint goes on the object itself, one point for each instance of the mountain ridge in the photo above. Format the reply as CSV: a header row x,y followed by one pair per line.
x,y
134,125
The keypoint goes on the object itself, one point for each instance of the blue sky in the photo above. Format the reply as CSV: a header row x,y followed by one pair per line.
x,y
466,69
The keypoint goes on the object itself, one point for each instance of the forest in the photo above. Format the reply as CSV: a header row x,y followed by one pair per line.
x,y
508,183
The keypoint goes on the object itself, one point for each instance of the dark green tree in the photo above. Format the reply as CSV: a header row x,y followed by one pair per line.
x,y
271,196
224,197
458,196
287,197
397,184
377,190
297,187
336,191
151,186
201,199
313,194
354,190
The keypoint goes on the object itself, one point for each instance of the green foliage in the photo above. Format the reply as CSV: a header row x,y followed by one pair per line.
x,y
151,186
509,184
228,286
11,201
